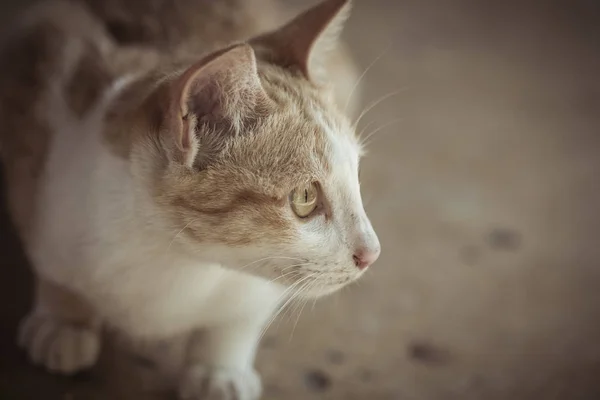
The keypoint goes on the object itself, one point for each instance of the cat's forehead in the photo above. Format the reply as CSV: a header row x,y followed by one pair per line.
x,y
300,143
303,138
341,146
313,119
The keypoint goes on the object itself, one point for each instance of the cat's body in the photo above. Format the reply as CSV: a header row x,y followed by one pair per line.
x,y
151,188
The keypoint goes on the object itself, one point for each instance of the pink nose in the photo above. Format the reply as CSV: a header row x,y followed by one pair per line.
x,y
365,257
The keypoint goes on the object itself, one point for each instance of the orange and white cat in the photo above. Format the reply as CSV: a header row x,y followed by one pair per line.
x,y
163,193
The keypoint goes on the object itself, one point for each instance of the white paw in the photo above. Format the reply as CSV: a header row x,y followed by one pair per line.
x,y
201,383
57,345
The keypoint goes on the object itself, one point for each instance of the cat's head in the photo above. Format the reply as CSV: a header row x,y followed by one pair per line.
x,y
255,164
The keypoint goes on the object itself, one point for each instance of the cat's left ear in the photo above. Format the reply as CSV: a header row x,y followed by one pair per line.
x,y
304,42
222,90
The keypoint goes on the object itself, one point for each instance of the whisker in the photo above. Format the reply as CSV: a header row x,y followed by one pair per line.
x,y
308,288
289,312
295,265
364,142
301,290
277,310
376,103
282,276
312,308
364,73
359,136
298,288
270,258
280,308
179,233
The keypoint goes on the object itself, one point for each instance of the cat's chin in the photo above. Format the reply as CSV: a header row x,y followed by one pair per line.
x,y
321,291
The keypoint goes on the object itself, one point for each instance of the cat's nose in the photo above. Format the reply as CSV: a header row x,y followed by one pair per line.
x,y
365,257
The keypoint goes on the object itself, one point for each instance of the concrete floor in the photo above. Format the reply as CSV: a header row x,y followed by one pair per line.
x,y
486,198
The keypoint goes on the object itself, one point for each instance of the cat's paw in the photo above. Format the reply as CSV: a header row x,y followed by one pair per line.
x,y
57,345
202,383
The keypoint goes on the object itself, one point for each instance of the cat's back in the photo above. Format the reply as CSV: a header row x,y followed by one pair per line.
x,y
199,26
193,25
53,53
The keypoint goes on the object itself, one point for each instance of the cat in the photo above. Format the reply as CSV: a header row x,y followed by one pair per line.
x,y
163,192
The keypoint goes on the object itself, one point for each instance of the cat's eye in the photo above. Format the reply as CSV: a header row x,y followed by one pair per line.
x,y
304,199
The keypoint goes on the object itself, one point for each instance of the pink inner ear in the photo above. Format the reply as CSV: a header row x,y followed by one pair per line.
x,y
211,89
222,87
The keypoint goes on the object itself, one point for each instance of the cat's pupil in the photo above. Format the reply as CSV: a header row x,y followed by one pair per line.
x,y
306,195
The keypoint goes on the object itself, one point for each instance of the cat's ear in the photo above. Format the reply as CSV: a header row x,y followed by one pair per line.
x,y
304,42
223,88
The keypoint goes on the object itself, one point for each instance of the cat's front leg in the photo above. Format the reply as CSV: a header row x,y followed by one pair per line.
x,y
62,332
220,364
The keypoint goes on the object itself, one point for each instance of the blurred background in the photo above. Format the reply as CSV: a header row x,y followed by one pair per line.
x,y
485,192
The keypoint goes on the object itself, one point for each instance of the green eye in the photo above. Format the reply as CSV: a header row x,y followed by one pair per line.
x,y
304,200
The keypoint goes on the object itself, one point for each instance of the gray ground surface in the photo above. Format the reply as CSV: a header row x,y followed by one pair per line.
x,y
485,196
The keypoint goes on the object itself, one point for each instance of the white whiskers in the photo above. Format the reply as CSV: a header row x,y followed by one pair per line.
x,y
364,142
306,288
375,103
364,73
301,282
179,233
270,258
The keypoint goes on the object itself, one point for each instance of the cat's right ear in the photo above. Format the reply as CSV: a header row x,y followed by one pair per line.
x,y
223,88
304,43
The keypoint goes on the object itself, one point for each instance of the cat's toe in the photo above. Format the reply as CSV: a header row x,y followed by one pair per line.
x,y
202,383
57,345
